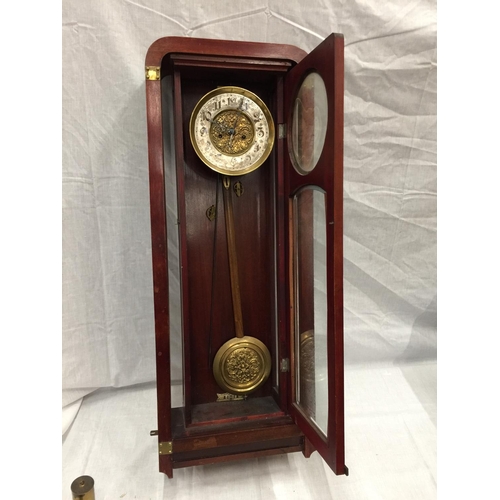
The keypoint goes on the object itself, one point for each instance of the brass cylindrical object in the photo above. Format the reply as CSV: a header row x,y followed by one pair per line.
x,y
83,488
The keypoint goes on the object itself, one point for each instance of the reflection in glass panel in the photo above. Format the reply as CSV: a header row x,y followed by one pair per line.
x,y
309,122
176,343
311,305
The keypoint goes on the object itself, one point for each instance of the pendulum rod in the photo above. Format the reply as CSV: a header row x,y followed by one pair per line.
x,y
233,260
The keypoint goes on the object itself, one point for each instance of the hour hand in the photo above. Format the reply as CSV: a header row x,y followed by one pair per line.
x,y
212,121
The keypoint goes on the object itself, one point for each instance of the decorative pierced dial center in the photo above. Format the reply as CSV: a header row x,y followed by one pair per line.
x,y
232,132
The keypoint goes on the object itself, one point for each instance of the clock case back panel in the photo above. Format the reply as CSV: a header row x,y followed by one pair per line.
x,y
204,431
209,322
207,304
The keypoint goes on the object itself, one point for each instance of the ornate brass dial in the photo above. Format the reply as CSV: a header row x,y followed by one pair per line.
x,y
232,130
232,133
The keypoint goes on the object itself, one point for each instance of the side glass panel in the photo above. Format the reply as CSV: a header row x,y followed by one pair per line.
x,y
174,292
309,122
311,305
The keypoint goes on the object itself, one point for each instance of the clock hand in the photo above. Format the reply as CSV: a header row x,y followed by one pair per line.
x,y
232,131
214,122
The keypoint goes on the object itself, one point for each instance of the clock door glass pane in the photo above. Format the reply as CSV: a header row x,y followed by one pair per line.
x,y
309,122
311,306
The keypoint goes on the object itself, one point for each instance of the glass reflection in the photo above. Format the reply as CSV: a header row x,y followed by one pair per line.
x,y
311,305
309,122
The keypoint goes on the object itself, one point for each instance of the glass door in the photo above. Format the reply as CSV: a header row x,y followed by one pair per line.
x,y
313,183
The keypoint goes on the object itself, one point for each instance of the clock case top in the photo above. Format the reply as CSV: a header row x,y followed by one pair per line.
x,y
189,68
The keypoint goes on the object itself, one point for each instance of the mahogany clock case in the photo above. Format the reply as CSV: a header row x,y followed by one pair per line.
x,y
179,72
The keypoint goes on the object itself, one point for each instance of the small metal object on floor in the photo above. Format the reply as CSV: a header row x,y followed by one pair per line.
x,y
83,488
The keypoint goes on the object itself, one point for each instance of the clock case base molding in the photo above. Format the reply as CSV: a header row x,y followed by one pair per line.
x,y
179,71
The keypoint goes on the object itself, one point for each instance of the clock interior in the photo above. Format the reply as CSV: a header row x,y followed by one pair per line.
x,y
208,319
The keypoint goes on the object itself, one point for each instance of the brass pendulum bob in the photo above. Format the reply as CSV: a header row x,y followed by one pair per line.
x,y
243,363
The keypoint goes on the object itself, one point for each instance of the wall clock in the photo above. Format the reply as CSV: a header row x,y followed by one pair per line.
x,y
250,138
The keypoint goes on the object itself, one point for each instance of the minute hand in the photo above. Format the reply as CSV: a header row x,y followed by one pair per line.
x,y
232,132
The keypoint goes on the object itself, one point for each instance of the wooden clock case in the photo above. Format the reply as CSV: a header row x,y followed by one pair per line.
x,y
272,420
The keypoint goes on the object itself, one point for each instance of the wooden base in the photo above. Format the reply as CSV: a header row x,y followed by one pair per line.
x,y
237,456
235,411
230,431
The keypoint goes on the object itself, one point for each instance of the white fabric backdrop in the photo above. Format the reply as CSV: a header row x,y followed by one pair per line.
x,y
389,187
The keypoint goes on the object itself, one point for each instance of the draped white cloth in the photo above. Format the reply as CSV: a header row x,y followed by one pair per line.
x,y
389,184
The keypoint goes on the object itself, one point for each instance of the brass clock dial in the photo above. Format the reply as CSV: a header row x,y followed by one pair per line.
x,y
232,130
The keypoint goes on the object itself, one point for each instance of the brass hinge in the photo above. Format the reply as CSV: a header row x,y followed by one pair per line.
x,y
165,448
152,72
281,130
285,365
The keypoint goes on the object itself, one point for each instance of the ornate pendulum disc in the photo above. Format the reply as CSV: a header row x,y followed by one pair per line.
x,y
242,365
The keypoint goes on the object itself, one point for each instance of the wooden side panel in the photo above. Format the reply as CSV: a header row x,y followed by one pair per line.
x,y
336,317
160,265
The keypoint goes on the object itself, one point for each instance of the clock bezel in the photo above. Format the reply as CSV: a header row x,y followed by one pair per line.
x,y
267,116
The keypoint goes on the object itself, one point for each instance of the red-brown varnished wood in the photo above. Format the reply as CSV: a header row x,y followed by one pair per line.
x,y
233,49
193,63
336,407
237,456
235,411
308,448
252,446
236,437
228,437
160,269
180,430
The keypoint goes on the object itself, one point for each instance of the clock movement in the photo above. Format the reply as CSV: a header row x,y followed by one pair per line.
x,y
247,138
